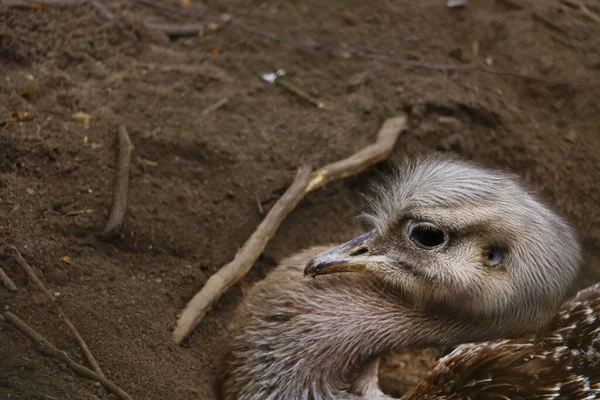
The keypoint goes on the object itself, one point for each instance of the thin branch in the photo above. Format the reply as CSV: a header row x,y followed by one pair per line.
x,y
214,107
358,162
102,10
304,183
33,4
371,53
474,67
8,283
48,349
172,9
176,31
117,215
16,255
588,13
229,274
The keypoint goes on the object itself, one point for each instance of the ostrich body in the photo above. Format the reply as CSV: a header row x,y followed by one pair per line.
x,y
562,361
458,254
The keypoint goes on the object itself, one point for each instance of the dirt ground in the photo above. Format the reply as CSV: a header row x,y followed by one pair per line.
x,y
196,177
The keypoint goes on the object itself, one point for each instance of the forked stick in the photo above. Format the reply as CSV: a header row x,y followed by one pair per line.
x,y
48,349
16,255
304,183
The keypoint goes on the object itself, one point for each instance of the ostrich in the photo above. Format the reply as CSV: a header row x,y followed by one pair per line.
x,y
457,254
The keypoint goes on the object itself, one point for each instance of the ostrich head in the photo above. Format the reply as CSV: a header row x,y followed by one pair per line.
x,y
457,237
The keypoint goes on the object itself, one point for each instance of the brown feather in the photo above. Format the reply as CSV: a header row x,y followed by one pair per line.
x,y
560,362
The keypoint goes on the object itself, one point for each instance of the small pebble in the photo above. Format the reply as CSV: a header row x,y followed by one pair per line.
x,y
350,18
456,3
571,136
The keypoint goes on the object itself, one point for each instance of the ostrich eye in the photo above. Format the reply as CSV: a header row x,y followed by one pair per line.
x,y
496,254
426,235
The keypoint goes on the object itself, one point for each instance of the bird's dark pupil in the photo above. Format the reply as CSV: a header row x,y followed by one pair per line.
x,y
427,236
495,254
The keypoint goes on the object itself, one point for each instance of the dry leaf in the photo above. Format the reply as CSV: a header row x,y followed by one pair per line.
x,y
350,18
17,116
28,89
38,6
82,117
67,259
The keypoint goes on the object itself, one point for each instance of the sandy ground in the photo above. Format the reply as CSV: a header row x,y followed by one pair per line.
x,y
195,202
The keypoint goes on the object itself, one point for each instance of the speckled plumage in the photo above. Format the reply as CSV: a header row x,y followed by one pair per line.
x,y
298,337
560,362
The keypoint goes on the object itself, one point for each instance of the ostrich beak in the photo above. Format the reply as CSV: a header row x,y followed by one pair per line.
x,y
351,256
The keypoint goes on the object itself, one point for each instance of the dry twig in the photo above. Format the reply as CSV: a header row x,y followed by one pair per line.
x,y
102,9
476,67
16,255
229,274
176,31
588,13
96,4
30,3
117,215
8,283
172,9
49,350
304,183
214,107
78,212
259,206
376,54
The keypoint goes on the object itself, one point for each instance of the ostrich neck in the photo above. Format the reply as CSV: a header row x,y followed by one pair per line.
x,y
345,327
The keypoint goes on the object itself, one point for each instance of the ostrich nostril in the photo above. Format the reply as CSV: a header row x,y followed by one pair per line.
x,y
360,251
